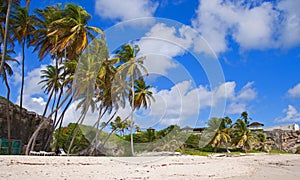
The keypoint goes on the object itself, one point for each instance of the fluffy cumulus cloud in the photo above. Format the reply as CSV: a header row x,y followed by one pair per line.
x,y
238,102
291,22
121,10
259,25
162,43
291,115
183,101
294,92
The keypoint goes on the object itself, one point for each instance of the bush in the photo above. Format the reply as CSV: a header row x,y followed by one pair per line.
x,y
298,150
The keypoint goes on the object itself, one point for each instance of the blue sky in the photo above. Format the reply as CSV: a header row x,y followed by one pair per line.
x,y
252,58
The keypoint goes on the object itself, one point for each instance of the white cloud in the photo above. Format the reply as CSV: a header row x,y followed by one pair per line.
x,y
164,42
291,23
183,101
260,25
125,9
291,115
247,93
236,108
294,92
238,103
160,45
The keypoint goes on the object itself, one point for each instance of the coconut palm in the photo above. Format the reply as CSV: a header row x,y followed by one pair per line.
x,y
218,132
52,80
143,96
130,70
243,136
42,42
245,117
119,125
72,30
23,25
7,6
54,26
7,17
85,79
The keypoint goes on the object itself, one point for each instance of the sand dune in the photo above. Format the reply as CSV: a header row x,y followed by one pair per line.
x,y
172,167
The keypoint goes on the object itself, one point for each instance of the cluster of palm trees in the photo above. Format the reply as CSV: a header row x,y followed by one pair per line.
x,y
223,132
83,70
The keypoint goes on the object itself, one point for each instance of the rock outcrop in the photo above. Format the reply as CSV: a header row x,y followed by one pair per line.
x,y
22,129
284,140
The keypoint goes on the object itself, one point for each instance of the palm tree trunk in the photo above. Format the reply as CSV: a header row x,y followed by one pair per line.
x,y
132,110
23,79
44,114
60,124
48,102
50,135
8,114
5,36
30,144
80,121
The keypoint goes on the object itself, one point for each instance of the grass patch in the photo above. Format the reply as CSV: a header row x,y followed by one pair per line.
x,y
189,151
279,152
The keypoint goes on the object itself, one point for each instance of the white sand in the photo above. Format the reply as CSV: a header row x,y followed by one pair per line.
x,y
175,167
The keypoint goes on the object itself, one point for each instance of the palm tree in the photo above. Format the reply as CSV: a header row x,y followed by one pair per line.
x,y
23,25
245,117
52,84
86,77
72,30
7,70
9,4
130,70
42,42
119,125
54,25
243,136
217,129
142,94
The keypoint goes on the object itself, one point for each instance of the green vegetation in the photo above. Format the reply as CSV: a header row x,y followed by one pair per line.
x,y
62,139
273,151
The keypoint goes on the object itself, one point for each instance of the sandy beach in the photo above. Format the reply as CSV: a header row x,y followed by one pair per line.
x,y
256,166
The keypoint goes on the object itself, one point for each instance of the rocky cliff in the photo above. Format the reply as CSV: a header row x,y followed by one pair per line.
x,y
284,140
22,129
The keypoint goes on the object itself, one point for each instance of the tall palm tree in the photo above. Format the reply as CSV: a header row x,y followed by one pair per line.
x,y
130,70
6,39
7,71
10,5
58,35
85,79
23,25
